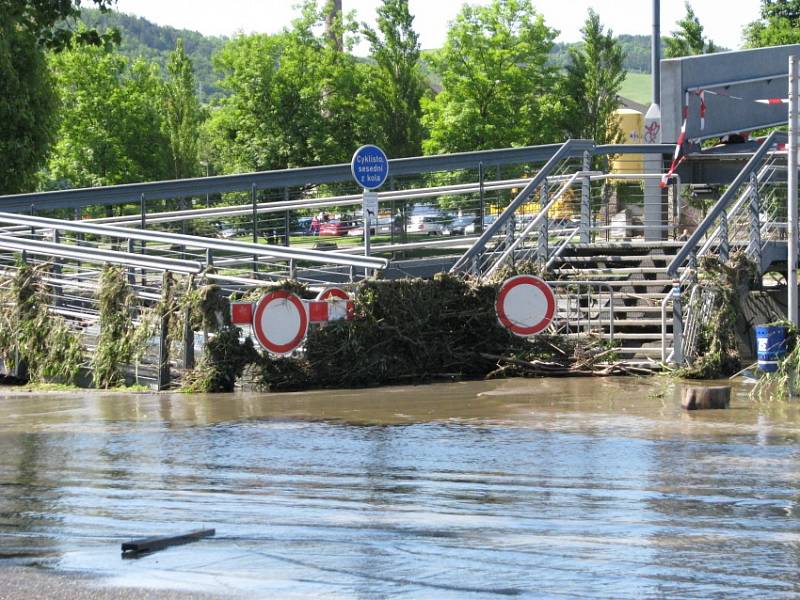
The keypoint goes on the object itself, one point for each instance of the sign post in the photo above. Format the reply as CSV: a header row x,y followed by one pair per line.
x,y
370,168
792,185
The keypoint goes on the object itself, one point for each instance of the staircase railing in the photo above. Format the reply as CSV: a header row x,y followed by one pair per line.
x,y
719,216
474,260
734,222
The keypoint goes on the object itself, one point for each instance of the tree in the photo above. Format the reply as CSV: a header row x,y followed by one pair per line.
x,y
779,24
27,100
182,113
109,120
293,98
591,84
496,81
688,40
51,22
27,103
396,85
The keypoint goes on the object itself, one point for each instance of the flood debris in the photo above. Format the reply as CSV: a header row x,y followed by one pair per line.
x,y
140,547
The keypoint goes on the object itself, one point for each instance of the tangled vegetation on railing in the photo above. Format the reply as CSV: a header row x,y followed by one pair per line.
x,y
120,342
224,356
722,286
31,335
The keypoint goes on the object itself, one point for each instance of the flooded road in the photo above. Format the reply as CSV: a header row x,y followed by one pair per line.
x,y
581,488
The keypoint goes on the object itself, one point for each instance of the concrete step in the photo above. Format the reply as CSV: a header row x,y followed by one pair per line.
x,y
615,258
642,309
629,322
600,247
611,271
629,282
642,351
623,335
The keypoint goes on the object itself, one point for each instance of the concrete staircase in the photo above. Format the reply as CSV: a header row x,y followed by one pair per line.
x,y
636,273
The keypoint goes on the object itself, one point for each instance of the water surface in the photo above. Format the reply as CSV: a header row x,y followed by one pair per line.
x,y
555,488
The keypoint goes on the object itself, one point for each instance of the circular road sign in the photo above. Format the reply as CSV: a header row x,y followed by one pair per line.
x,y
525,305
370,167
280,322
338,303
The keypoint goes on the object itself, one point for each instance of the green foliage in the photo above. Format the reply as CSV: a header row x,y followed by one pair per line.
x,y
396,84
688,40
779,24
140,38
497,83
27,103
109,128
591,85
50,22
182,113
294,98
31,334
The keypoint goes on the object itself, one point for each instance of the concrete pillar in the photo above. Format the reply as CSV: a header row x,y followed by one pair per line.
x,y
653,164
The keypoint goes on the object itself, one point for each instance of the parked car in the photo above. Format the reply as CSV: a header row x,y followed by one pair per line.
x,y
427,224
384,226
336,227
300,226
472,228
458,226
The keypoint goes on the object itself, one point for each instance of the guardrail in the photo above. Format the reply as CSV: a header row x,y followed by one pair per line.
x,y
208,244
278,179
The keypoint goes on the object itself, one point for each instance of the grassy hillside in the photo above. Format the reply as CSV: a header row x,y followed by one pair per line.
x,y
637,87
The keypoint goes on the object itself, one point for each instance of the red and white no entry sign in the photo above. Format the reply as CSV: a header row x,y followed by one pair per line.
x,y
280,322
525,305
340,306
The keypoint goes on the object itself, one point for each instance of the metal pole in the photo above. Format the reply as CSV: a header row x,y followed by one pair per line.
x,y
287,220
656,52
254,200
366,194
792,217
481,191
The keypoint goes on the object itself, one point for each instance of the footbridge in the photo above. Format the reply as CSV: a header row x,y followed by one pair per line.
x,y
617,232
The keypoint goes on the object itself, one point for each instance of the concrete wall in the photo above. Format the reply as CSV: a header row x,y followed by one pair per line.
x,y
725,114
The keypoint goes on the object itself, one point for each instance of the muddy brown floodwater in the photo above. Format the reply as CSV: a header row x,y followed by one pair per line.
x,y
550,488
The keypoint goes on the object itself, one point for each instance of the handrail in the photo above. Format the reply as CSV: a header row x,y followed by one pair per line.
x,y
307,203
599,285
542,214
98,255
198,186
317,256
562,246
721,205
567,150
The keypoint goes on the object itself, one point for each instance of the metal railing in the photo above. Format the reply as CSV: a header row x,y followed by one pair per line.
x,y
735,223
570,149
583,308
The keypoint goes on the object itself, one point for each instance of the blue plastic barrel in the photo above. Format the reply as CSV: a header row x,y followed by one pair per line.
x,y
770,346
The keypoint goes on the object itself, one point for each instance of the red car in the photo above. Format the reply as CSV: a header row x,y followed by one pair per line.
x,y
335,228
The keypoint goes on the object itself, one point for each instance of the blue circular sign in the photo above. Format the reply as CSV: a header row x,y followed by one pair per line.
x,y
370,167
